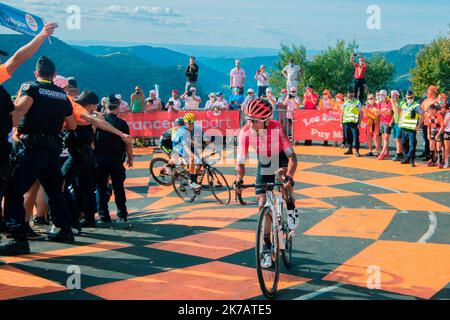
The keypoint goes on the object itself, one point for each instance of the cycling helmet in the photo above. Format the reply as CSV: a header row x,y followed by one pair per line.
x,y
189,118
179,121
259,110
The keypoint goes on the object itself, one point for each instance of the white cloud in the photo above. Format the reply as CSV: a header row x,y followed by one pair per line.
x,y
43,2
141,11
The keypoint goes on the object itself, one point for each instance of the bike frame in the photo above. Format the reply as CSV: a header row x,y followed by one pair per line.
x,y
275,203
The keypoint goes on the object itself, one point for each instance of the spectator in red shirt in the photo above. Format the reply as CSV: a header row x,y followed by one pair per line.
x,y
310,101
360,74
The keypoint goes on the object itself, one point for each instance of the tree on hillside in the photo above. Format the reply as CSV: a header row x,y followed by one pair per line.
x,y
433,66
332,69
298,53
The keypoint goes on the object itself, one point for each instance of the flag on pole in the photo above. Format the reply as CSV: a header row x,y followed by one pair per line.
x,y
157,90
20,21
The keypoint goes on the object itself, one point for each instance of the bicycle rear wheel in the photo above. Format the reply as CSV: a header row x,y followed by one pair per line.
x,y
219,186
181,182
157,170
267,275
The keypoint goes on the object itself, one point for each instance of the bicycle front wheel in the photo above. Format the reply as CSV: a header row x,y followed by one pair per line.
x,y
287,252
219,186
158,171
267,255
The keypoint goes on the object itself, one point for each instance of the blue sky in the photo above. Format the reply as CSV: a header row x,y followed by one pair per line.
x,y
248,23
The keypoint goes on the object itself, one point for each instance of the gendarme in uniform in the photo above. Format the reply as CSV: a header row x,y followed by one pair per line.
x,y
39,132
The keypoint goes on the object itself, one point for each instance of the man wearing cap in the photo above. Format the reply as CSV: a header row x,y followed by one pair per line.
x,y
351,120
249,98
39,115
411,118
237,77
262,80
25,53
124,107
280,108
360,74
220,102
77,170
110,153
292,73
191,74
191,100
174,103
153,103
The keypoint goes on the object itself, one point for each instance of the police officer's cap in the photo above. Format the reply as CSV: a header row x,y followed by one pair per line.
x,y
409,93
88,97
113,101
45,66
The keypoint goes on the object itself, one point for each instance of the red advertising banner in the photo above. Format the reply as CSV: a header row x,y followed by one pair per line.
x,y
318,125
155,124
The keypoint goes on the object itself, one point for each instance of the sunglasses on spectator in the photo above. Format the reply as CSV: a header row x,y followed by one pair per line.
x,y
409,98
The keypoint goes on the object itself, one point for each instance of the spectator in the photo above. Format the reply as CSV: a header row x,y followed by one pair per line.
x,y
220,103
360,74
351,120
153,103
102,106
446,135
262,81
123,108
396,130
338,107
210,103
137,100
431,98
249,98
310,98
72,89
191,100
191,74
327,102
292,73
236,100
386,122
372,113
411,119
270,97
292,103
237,77
280,109
174,103
436,128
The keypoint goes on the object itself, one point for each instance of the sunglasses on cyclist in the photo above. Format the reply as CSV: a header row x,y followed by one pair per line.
x,y
256,121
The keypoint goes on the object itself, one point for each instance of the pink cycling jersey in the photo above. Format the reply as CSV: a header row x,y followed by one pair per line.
x,y
270,141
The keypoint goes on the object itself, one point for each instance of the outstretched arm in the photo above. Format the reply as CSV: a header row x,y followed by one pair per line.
x,y
27,51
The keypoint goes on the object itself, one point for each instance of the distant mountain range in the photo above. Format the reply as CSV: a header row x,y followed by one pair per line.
x,y
115,69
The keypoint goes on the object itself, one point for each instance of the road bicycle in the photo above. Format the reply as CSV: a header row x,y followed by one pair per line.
x,y
272,236
215,182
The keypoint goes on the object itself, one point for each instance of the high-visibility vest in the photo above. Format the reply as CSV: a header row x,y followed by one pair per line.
x,y
406,121
350,112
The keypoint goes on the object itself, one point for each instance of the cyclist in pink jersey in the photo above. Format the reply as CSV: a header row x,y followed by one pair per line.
x,y
274,150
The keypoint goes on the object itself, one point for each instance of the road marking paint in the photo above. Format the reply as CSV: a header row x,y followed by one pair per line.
x,y
431,229
319,292
380,187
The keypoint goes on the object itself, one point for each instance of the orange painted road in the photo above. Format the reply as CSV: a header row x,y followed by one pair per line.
x,y
369,230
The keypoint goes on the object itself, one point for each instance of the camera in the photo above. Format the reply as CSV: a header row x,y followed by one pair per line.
x,y
189,94
171,103
291,96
